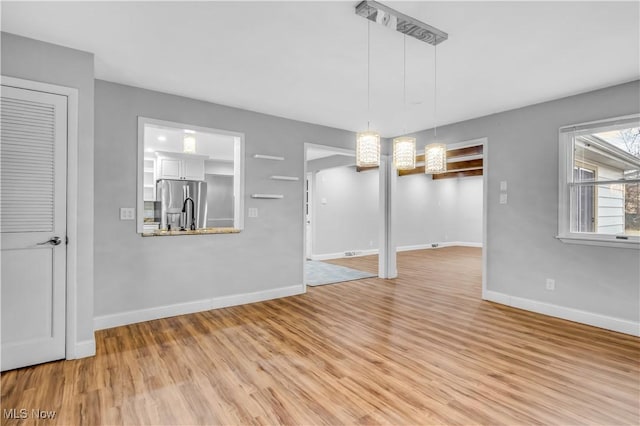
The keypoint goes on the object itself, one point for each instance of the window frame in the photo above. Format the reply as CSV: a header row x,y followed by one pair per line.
x,y
566,163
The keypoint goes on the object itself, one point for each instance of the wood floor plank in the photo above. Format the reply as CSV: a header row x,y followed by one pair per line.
x,y
419,349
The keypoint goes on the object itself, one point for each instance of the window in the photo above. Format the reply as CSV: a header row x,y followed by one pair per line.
x,y
600,183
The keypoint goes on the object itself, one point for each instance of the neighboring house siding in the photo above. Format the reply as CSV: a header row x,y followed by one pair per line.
x,y
610,207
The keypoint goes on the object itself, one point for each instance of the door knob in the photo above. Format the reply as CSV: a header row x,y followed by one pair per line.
x,y
55,241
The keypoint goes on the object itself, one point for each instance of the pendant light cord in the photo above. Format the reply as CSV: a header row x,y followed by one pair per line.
x,y
435,85
404,80
368,73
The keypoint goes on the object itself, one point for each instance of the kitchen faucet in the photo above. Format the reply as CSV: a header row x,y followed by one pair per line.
x,y
193,213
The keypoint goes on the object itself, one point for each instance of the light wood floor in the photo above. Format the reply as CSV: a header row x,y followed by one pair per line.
x,y
421,349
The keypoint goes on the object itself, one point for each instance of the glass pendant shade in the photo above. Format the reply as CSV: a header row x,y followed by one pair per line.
x,y
404,153
367,149
435,158
189,144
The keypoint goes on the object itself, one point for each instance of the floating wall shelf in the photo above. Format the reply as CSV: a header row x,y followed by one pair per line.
x,y
285,178
267,196
268,157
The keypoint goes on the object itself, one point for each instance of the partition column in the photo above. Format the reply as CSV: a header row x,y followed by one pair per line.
x,y
387,190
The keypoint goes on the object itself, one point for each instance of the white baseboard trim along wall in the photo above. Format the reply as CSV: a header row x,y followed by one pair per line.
x,y
339,255
132,317
571,314
84,349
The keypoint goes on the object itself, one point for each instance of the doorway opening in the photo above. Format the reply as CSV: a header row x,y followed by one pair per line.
x,y
340,216
440,219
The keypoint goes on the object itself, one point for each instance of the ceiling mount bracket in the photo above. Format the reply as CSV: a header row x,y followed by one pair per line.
x,y
384,15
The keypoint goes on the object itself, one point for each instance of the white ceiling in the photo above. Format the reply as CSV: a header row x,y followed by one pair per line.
x,y
166,139
307,60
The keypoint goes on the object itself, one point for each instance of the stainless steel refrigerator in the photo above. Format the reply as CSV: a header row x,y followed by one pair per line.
x,y
172,198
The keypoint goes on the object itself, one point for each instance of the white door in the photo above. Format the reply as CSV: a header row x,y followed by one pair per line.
x,y
33,142
308,205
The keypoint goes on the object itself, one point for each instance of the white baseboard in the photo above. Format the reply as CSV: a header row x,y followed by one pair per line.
x,y
132,317
83,349
341,255
597,320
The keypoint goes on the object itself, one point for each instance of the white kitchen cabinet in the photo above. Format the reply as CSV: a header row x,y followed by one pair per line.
x,y
180,166
169,168
193,169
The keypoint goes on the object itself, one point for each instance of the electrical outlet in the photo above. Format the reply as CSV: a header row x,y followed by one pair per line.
x,y
551,284
253,212
503,185
503,198
127,213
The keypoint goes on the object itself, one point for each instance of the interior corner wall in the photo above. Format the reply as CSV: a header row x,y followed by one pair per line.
x,y
145,275
35,60
521,247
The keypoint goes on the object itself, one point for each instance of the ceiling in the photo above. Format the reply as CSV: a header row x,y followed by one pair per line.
x,y
307,60
166,139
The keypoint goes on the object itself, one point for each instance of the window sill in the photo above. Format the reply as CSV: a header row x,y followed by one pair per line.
x,y
599,241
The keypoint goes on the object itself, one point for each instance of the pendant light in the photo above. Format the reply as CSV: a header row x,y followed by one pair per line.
x,y
404,148
435,154
368,143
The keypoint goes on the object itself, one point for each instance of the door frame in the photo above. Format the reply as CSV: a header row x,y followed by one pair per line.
x,y
72,201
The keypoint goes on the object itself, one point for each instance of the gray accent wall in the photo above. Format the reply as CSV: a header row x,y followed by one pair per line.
x,y
49,63
134,272
522,250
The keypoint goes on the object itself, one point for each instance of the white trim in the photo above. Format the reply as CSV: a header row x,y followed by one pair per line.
x,y
238,170
485,210
387,184
85,348
340,151
609,241
71,343
131,317
340,255
566,160
597,320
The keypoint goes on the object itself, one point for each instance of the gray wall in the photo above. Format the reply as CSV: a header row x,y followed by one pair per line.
x,y
427,211
521,243
348,220
49,63
438,211
133,272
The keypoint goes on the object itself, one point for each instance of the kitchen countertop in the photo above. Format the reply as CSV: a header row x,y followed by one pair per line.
x,y
203,231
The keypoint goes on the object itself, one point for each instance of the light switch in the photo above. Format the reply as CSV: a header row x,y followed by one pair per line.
x,y
253,212
503,198
503,185
323,200
127,213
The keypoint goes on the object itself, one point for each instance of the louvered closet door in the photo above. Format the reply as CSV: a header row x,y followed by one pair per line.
x,y
32,219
